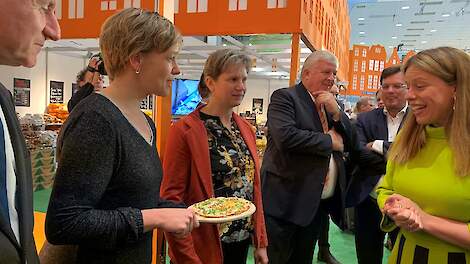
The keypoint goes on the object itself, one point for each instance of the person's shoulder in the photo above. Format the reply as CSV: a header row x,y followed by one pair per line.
x,y
372,114
189,121
96,106
284,92
3,90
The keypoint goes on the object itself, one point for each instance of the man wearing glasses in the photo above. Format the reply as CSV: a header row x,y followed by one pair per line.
x,y
376,131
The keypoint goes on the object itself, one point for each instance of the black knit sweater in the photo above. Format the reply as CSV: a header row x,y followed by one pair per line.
x,y
107,173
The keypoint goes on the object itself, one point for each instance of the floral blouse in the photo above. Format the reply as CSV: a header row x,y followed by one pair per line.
x,y
233,171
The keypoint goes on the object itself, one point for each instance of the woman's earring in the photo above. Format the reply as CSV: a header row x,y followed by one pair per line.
x,y
137,71
453,106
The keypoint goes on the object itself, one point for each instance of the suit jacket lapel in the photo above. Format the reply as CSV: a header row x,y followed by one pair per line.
x,y
382,125
199,147
403,120
12,122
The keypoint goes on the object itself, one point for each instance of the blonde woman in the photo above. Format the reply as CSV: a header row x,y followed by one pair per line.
x,y
105,197
426,191
212,153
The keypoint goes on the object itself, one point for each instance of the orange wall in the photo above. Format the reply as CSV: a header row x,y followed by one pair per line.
x,y
408,55
326,25
394,59
376,53
90,25
370,75
257,19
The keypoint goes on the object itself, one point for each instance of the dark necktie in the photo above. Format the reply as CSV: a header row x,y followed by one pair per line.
x,y
3,177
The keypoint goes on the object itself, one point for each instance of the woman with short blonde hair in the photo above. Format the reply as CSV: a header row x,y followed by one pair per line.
x,y
212,153
105,197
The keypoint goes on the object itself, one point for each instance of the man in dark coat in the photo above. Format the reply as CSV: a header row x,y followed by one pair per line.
x,y
25,26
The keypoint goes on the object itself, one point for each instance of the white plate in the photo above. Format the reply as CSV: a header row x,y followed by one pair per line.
x,y
219,220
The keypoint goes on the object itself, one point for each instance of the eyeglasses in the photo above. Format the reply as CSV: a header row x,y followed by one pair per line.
x,y
395,86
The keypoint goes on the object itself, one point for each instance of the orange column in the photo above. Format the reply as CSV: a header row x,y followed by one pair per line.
x,y
295,58
162,118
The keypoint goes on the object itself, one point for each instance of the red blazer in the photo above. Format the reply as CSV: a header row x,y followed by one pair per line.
x,y
187,178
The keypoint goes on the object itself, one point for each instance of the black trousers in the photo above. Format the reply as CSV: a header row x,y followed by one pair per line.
x,y
369,237
290,243
236,252
324,230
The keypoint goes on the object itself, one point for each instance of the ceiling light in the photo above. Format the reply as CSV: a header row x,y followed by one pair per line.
x,y
424,42
362,43
362,32
258,69
399,25
432,30
446,15
225,45
394,37
405,7
390,47
361,19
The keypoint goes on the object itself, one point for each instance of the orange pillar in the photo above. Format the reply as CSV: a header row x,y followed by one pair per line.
x,y
162,118
295,58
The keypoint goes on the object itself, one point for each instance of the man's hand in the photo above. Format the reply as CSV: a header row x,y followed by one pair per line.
x,y
329,101
337,140
94,62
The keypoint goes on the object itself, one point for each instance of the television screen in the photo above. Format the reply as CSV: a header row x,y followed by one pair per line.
x,y
184,97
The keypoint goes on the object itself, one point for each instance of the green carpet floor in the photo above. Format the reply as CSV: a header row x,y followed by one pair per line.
x,y
342,244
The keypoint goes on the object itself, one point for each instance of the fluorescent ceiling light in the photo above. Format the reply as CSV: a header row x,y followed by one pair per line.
x,y
390,47
446,15
433,30
399,25
394,37
361,19
362,43
362,32
405,7
256,69
424,42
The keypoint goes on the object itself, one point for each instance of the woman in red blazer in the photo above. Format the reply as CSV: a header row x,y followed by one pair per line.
x,y
212,153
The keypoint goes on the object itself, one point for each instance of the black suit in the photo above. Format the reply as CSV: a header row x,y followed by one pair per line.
x,y
10,249
369,237
294,168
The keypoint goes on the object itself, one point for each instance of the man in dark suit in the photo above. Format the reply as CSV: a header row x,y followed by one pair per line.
x,y
26,24
376,131
303,168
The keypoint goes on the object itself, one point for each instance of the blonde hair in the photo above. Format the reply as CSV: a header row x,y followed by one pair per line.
x,y
453,67
133,31
220,60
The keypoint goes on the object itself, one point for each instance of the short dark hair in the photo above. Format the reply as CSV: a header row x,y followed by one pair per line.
x,y
81,75
389,71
